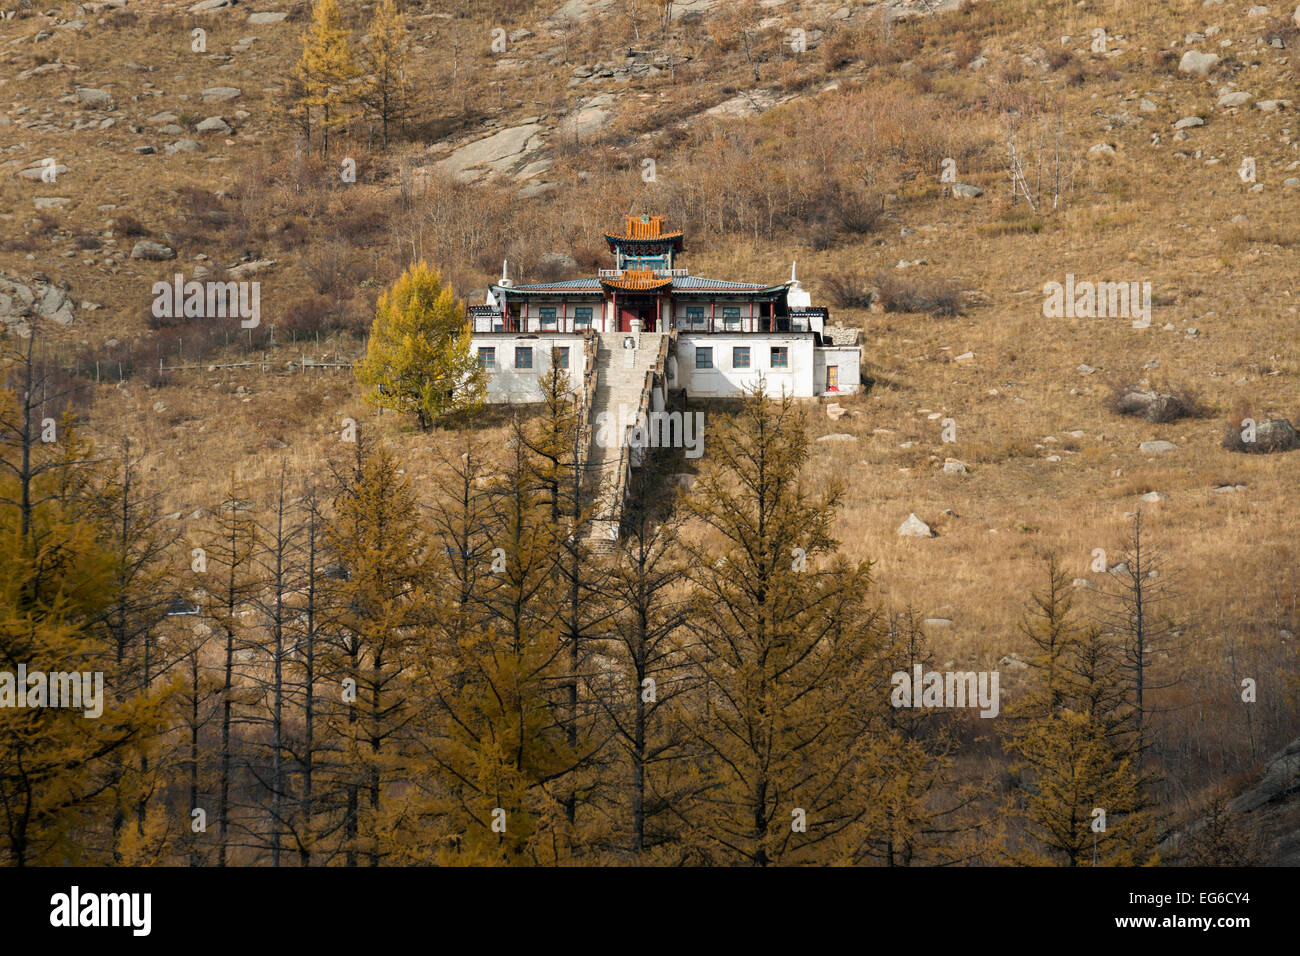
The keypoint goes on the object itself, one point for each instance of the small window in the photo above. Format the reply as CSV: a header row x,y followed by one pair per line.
x,y
704,358
780,356
524,356
740,356
487,357
731,318
548,319
695,317
582,317
562,357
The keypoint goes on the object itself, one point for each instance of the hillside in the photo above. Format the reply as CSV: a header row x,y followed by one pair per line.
x,y
769,132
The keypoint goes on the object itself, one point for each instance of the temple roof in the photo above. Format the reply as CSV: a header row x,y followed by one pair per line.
x,y
644,230
638,282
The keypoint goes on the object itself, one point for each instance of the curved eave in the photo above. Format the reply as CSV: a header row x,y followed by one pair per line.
x,y
654,285
500,290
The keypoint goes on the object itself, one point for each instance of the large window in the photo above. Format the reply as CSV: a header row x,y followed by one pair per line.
x,y
695,316
704,358
524,356
780,356
740,356
731,318
562,357
487,357
582,317
548,318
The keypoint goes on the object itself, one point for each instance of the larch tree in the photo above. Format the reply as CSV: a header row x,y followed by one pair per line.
x,y
385,87
58,579
783,643
647,696
1078,790
418,360
233,575
377,536
326,71
502,691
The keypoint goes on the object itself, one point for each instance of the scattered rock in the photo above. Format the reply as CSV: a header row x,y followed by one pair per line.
x,y
966,191
1226,489
1083,583
1148,405
1157,447
220,94
914,527
1189,122
1272,106
245,269
1240,98
937,622
1101,151
213,124
261,19
1155,497
838,436
1012,662
835,411
1196,63
211,6
951,466
154,251
93,97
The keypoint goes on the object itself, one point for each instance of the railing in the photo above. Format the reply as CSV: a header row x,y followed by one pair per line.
x,y
623,475
658,273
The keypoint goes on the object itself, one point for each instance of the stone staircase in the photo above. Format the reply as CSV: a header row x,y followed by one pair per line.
x,y
619,393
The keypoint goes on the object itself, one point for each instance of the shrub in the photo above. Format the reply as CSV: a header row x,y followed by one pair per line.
x,y
1168,403
929,296
848,290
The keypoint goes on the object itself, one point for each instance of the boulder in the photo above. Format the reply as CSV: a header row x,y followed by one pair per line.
x,y
220,94
93,97
966,191
1196,63
1275,434
1157,447
914,527
835,411
212,6
1148,405
952,466
1239,98
261,19
1189,122
213,124
1281,779
154,251
1155,497
1101,151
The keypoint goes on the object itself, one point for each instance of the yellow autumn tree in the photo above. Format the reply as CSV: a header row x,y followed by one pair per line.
x,y
326,71
385,86
419,359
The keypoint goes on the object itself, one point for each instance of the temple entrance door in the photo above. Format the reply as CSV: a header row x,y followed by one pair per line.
x,y
636,312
